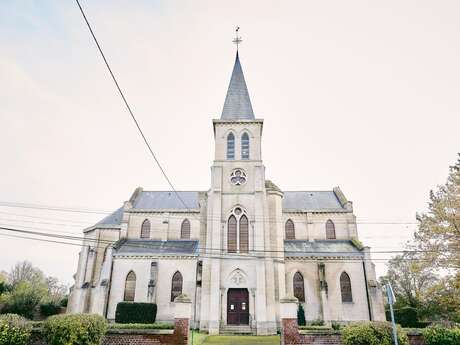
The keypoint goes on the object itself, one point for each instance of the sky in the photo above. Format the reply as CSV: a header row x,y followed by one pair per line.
x,y
357,94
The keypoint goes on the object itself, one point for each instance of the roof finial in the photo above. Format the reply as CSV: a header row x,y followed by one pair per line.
x,y
237,40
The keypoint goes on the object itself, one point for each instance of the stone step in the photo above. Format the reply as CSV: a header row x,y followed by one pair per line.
x,y
236,330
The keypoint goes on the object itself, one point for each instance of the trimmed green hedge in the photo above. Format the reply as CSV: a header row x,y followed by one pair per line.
x,y
131,312
372,333
437,335
141,326
14,330
75,329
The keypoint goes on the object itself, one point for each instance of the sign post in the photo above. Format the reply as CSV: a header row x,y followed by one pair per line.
x,y
391,301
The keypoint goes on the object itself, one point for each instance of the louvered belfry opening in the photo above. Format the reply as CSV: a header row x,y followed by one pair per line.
x,y
185,230
176,285
230,146
231,234
244,234
290,230
245,146
299,289
145,229
345,287
130,287
330,230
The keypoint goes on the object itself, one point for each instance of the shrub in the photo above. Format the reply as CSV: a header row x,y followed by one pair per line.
x,y
75,329
301,316
372,333
141,326
50,308
438,335
22,300
317,323
129,312
14,330
405,316
336,326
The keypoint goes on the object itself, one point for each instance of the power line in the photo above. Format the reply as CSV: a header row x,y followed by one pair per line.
x,y
205,250
128,106
169,216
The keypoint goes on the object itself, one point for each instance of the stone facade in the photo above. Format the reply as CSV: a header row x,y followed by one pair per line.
x,y
234,256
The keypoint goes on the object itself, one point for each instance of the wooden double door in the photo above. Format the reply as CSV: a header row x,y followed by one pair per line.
x,y
237,307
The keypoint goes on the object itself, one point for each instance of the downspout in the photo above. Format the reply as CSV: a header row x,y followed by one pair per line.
x,y
367,292
108,292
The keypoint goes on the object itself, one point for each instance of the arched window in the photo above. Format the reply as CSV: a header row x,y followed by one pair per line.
x,y
176,286
299,289
231,234
345,287
245,146
244,234
330,230
185,230
130,287
145,229
289,230
230,146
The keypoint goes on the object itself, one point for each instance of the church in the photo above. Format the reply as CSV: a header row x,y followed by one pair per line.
x,y
236,249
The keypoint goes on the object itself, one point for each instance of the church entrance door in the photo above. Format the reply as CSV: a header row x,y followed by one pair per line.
x,y
238,307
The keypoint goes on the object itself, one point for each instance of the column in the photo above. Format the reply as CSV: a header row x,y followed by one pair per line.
x,y
288,314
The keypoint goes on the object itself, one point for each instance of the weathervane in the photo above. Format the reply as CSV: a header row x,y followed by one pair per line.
x,y
237,40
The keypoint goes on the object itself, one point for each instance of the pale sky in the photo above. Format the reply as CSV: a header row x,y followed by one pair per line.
x,y
358,94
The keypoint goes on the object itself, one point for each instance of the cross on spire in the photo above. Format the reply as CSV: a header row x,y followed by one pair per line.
x,y
237,40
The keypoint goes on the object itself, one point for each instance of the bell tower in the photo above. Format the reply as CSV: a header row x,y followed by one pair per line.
x,y
237,211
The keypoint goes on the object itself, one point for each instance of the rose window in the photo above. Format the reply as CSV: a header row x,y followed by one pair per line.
x,y
238,177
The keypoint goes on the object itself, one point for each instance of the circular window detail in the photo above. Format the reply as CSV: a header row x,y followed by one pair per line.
x,y
237,211
238,177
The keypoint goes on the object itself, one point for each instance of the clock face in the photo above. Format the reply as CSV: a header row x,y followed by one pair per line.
x,y
238,177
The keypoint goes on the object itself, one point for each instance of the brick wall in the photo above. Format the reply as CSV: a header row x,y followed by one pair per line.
x,y
290,336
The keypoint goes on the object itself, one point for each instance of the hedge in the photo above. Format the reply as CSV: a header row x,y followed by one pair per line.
x,y
141,326
130,312
48,309
14,330
372,333
75,329
437,335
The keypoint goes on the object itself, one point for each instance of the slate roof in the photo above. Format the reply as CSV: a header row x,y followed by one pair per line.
x,y
113,218
158,200
320,248
176,247
237,104
312,201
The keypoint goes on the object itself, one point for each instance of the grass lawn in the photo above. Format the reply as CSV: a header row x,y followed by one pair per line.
x,y
204,339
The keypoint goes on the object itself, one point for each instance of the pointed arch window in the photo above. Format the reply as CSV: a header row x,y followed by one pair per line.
x,y
185,230
230,146
145,229
330,230
244,234
245,146
289,230
130,287
345,287
299,288
176,285
232,234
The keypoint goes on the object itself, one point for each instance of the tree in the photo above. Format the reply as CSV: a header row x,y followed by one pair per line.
x,y
23,299
438,236
25,272
410,279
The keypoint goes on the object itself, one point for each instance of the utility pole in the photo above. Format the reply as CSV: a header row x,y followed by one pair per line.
x,y
391,300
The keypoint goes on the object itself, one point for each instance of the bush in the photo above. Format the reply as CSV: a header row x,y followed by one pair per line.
x,y
22,300
438,335
50,308
301,316
405,316
141,326
75,329
14,330
372,333
130,312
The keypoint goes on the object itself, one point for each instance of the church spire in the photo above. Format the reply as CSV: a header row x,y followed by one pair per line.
x,y
237,104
